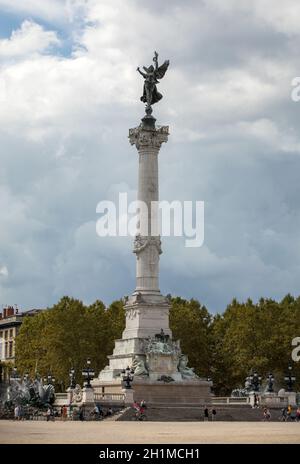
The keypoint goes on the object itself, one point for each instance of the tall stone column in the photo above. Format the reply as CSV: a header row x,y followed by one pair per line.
x,y
147,245
147,311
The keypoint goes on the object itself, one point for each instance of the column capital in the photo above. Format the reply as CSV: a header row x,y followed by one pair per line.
x,y
152,138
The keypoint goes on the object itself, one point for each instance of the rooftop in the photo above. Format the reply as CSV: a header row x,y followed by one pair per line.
x,y
10,312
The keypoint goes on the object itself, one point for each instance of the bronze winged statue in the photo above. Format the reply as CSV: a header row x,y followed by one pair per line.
x,y
151,76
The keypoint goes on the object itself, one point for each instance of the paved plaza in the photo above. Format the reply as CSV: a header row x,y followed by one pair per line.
x,y
148,432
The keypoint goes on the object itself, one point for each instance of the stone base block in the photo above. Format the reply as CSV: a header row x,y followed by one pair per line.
x,y
290,398
145,319
123,354
154,392
184,392
102,386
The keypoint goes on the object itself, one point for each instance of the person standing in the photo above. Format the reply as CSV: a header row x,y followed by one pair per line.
x,y
255,405
135,406
64,413
267,414
143,404
213,414
48,414
96,412
283,414
101,414
109,412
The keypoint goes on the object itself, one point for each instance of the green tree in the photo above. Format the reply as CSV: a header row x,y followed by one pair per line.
x,y
190,323
66,335
31,349
228,346
249,337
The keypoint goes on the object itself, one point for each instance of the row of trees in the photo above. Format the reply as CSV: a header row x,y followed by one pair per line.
x,y
226,346
65,335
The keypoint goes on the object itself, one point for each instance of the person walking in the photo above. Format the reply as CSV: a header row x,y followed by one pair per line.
x,y
289,412
48,414
206,414
298,414
81,414
213,414
17,412
21,413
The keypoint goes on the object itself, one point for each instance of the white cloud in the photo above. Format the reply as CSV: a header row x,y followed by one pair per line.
x,y
49,10
282,16
267,132
3,271
30,38
233,136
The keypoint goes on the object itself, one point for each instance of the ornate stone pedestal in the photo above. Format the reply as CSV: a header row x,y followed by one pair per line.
x,y
87,395
129,396
280,399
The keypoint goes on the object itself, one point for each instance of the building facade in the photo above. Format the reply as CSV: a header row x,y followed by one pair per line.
x,y
10,323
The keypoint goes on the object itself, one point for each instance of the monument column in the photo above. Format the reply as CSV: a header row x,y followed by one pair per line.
x,y
147,310
161,372
147,245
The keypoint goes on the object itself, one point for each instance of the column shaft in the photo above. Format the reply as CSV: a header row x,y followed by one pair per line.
x,y
147,245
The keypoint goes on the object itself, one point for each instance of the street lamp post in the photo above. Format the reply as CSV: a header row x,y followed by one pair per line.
x,y
72,377
255,380
49,380
127,377
88,373
209,379
290,379
270,379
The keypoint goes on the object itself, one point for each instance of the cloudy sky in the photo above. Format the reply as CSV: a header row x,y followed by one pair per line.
x,y
69,91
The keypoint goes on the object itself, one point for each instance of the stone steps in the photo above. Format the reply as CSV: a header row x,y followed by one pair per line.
x,y
195,414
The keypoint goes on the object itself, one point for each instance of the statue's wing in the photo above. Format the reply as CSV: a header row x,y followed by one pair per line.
x,y
161,70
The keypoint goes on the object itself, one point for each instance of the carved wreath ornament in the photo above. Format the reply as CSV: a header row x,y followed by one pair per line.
x,y
132,313
141,242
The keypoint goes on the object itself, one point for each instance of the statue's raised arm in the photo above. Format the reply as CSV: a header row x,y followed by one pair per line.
x,y
151,76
